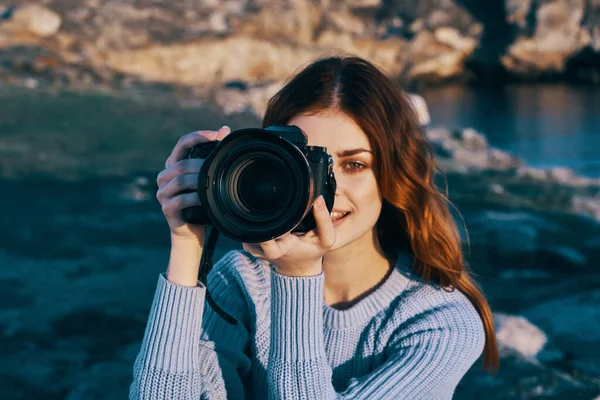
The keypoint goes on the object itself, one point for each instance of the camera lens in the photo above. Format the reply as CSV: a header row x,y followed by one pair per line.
x,y
261,184
258,186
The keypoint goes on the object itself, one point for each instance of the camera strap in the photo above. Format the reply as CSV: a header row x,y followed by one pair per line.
x,y
206,264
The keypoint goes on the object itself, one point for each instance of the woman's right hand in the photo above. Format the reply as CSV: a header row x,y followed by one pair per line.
x,y
178,182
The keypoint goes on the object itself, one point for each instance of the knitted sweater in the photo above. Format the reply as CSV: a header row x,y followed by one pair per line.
x,y
406,340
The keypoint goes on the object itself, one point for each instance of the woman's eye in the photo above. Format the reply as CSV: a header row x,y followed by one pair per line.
x,y
354,166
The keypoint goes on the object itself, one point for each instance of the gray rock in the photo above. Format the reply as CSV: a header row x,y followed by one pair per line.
x,y
560,174
501,160
517,334
420,107
587,205
473,140
572,322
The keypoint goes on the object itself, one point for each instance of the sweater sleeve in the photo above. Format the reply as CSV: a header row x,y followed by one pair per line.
x,y
188,350
426,358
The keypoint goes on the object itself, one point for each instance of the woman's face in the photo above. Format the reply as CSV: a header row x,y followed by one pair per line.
x,y
357,193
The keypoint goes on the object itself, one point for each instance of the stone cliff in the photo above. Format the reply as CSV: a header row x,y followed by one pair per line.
x,y
210,42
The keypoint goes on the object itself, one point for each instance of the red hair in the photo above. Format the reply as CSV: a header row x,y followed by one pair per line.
x,y
415,214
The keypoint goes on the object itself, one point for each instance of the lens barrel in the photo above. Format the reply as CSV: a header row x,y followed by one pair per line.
x,y
256,186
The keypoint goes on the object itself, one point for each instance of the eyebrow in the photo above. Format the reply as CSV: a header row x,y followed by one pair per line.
x,y
347,153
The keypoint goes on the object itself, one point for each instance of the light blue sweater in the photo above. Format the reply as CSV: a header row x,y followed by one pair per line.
x,y
406,340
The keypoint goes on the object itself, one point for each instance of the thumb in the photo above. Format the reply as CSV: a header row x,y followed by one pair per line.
x,y
222,132
325,229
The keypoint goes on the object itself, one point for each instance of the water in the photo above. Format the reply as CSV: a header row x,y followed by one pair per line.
x,y
545,125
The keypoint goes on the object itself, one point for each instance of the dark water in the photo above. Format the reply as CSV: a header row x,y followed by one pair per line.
x,y
546,125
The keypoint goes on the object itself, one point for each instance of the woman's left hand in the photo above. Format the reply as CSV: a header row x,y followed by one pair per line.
x,y
295,255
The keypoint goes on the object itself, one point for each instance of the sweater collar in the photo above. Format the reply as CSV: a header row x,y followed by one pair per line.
x,y
376,301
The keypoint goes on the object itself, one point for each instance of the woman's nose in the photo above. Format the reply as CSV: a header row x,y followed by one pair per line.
x,y
340,184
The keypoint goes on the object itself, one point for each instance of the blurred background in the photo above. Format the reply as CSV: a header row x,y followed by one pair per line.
x,y
95,93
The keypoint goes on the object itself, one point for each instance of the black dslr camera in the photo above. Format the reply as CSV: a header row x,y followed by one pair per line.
x,y
258,184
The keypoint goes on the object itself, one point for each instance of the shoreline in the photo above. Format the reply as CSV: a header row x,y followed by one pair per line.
x,y
477,169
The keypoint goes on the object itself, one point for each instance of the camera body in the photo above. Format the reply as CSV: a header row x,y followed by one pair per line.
x,y
258,184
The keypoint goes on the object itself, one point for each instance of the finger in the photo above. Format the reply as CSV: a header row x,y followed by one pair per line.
x,y
271,249
286,243
186,142
174,205
254,249
224,131
185,166
177,185
325,230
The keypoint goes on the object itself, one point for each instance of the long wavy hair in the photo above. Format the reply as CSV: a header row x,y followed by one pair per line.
x,y
415,214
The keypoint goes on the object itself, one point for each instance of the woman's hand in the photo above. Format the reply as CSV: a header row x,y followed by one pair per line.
x,y
178,182
177,185
295,255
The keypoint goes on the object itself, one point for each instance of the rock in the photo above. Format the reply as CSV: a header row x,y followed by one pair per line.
x,y
587,205
354,4
429,41
533,173
112,377
497,188
500,160
212,61
558,36
469,150
571,323
252,99
420,107
33,20
345,21
417,26
517,334
295,23
31,83
592,24
473,140
516,12
231,101
436,61
478,160
560,174
452,38
218,22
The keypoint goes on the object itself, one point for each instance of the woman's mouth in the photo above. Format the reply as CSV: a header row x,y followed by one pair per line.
x,y
338,216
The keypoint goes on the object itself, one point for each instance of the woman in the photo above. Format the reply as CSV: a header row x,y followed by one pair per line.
x,y
374,304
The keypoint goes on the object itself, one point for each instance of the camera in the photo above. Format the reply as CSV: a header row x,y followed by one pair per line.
x,y
259,184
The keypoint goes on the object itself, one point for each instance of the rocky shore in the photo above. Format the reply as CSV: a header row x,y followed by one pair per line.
x,y
235,55
94,93
207,43
82,240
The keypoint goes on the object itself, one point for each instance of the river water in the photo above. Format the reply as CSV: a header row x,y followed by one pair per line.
x,y
546,125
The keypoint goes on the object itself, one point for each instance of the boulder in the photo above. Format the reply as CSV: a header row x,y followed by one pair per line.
x,y
558,36
440,55
571,322
516,334
29,21
420,106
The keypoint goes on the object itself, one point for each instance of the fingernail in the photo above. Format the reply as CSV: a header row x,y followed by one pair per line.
x,y
320,202
225,126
